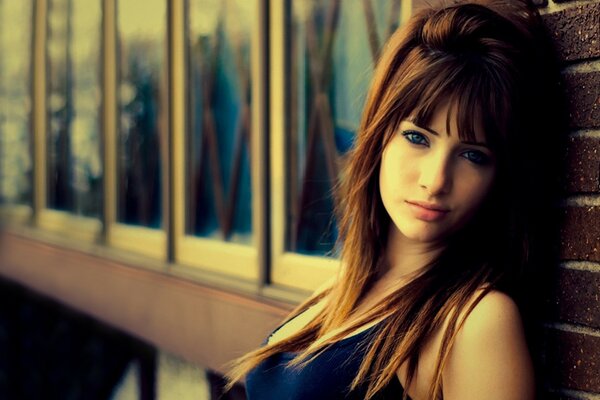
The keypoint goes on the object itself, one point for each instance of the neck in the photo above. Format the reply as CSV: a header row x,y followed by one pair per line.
x,y
405,256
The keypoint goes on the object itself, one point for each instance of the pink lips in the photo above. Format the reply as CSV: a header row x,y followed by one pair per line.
x,y
426,214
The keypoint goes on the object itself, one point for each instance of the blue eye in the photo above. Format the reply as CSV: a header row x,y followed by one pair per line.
x,y
414,137
478,157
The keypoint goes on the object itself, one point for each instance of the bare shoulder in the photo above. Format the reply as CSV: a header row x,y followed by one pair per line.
x,y
495,314
489,358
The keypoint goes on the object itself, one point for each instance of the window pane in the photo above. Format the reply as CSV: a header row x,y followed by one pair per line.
x,y
218,141
74,160
15,83
333,45
141,98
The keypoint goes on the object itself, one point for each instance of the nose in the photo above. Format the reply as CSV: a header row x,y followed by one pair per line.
x,y
436,175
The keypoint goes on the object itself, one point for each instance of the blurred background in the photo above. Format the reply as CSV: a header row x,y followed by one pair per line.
x,y
166,170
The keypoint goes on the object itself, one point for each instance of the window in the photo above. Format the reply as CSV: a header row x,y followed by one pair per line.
x,y
15,113
326,62
154,132
222,62
72,200
73,101
140,142
141,101
219,131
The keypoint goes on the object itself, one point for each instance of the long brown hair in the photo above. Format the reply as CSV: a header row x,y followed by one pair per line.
x,y
482,58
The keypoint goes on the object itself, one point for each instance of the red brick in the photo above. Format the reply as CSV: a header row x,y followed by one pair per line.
x,y
583,98
580,233
577,297
573,360
576,31
583,165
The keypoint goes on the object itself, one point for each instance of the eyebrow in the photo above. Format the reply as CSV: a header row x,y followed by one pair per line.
x,y
482,144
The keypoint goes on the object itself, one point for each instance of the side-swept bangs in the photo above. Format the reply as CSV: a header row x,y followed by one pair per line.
x,y
477,91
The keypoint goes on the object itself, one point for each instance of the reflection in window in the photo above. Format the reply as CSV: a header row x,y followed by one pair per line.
x,y
15,83
333,47
74,161
141,28
218,172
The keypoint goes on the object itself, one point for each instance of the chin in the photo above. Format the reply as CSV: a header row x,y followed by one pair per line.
x,y
422,234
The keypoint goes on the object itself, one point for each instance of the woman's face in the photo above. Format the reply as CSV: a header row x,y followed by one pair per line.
x,y
433,167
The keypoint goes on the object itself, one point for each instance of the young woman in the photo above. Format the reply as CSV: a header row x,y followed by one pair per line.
x,y
434,211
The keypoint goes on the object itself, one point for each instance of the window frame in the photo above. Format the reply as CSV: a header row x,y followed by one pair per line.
x,y
77,227
233,259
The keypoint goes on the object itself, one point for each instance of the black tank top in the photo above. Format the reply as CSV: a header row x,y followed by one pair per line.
x,y
327,377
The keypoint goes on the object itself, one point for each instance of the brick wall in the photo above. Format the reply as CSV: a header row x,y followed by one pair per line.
x,y
572,345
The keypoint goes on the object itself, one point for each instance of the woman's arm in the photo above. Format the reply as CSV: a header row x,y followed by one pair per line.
x,y
490,359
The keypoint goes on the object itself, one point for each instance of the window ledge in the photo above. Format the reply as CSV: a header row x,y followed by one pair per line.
x,y
155,301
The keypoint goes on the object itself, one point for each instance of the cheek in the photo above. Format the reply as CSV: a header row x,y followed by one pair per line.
x,y
391,179
386,181
475,190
